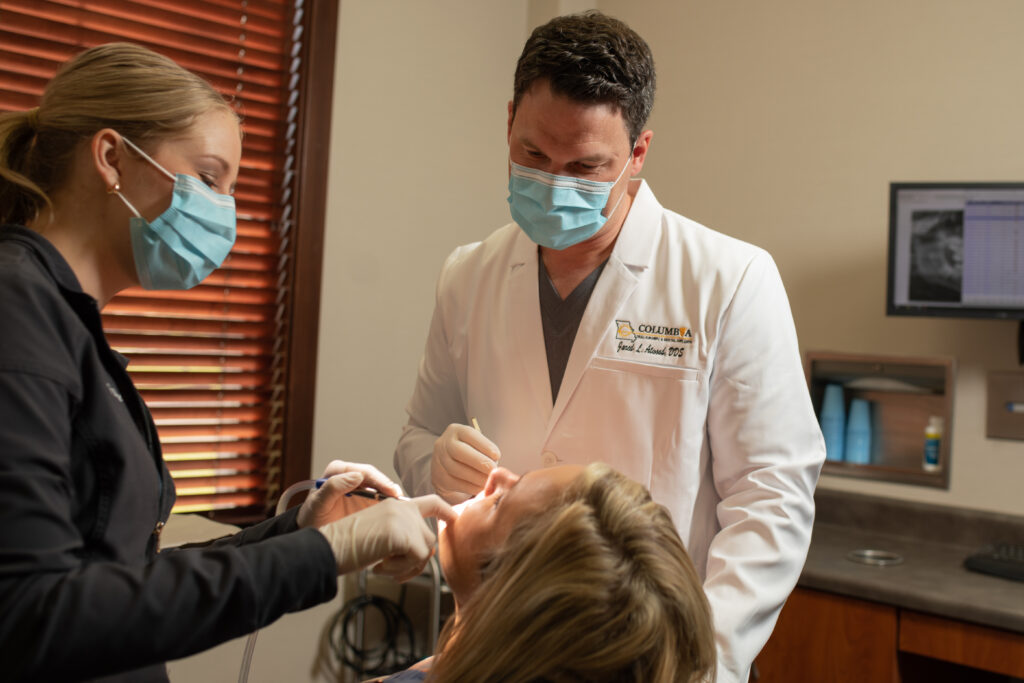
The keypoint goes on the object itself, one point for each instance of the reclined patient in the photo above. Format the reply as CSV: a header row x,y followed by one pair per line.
x,y
569,574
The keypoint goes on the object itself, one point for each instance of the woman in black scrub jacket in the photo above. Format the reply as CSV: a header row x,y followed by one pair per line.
x,y
122,177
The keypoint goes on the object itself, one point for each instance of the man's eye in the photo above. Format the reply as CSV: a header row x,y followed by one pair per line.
x,y
209,180
497,499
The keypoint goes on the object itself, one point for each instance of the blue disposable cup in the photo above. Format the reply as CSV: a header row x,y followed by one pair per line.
x,y
858,433
833,422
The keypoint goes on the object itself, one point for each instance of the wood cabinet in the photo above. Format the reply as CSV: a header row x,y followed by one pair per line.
x,y
822,637
979,647
826,638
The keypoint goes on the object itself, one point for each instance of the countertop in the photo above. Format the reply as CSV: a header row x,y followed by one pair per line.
x,y
933,542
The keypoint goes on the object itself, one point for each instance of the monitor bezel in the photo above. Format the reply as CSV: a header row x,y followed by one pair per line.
x,y
924,310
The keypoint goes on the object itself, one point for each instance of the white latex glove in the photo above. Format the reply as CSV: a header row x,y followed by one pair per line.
x,y
391,534
329,502
463,457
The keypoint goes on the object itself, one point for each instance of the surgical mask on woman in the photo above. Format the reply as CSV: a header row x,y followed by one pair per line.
x,y
189,240
558,211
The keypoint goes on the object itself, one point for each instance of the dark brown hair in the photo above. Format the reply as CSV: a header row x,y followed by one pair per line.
x,y
590,57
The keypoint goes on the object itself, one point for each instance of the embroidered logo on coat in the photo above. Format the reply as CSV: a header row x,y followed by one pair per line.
x,y
624,330
652,339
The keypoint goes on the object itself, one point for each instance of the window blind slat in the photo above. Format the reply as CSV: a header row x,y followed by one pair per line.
x,y
226,464
227,329
220,482
162,13
197,397
190,309
205,503
208,294
189,344
72,25
194,362
15,63
269,11
17,100
172,433
212,452
196,415
207,21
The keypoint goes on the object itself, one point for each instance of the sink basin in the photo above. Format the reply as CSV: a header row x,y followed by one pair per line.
x,y
877,558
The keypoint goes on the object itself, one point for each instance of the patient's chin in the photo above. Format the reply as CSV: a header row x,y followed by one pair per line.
x,y
451,566
444,532
455,556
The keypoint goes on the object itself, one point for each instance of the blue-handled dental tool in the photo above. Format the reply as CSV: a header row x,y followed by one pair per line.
x,y
372,494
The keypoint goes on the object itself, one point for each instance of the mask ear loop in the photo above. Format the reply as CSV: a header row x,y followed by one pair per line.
x,y
116,189
148,158
619,200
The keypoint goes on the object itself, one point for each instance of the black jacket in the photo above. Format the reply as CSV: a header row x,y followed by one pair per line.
x,y
84,592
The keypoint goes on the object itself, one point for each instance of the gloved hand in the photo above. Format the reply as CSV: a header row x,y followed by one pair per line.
x,y
390,534
329,502
462,459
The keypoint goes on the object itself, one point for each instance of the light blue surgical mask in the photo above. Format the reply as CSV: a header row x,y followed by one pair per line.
x,y
189,240
558,211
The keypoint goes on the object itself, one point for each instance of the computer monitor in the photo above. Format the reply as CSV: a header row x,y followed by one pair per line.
x,y
956,249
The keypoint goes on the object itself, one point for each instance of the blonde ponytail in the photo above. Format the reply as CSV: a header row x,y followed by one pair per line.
x,y
20,197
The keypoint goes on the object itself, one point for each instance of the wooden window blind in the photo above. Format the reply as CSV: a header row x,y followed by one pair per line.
x,y
211,362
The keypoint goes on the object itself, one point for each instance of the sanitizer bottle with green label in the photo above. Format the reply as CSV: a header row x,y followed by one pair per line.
x,y
932,444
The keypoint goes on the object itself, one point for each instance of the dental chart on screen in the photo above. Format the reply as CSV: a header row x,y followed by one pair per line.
x,y
956,249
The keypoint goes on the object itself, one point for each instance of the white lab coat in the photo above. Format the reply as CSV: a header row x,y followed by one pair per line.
x,y
685,375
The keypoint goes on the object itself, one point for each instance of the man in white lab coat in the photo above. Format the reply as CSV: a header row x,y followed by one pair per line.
x,y
601,326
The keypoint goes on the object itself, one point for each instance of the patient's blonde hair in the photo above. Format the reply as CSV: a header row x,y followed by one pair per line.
x,y
135,91
596,588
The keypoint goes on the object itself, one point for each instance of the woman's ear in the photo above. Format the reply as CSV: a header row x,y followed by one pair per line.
x,y
107,154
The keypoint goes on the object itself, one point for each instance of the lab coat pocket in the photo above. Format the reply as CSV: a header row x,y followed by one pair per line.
x,y
643,419
648,369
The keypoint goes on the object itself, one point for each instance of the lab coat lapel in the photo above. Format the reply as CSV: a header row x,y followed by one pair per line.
x,y
633,252
524,319
615,285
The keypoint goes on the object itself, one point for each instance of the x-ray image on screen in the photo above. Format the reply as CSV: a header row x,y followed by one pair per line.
x,y
956,249
936,255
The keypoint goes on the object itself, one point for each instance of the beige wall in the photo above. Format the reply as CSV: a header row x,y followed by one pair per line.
x,y
782,124
418,164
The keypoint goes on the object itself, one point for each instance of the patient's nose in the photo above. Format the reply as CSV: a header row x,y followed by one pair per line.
x,y
499,479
